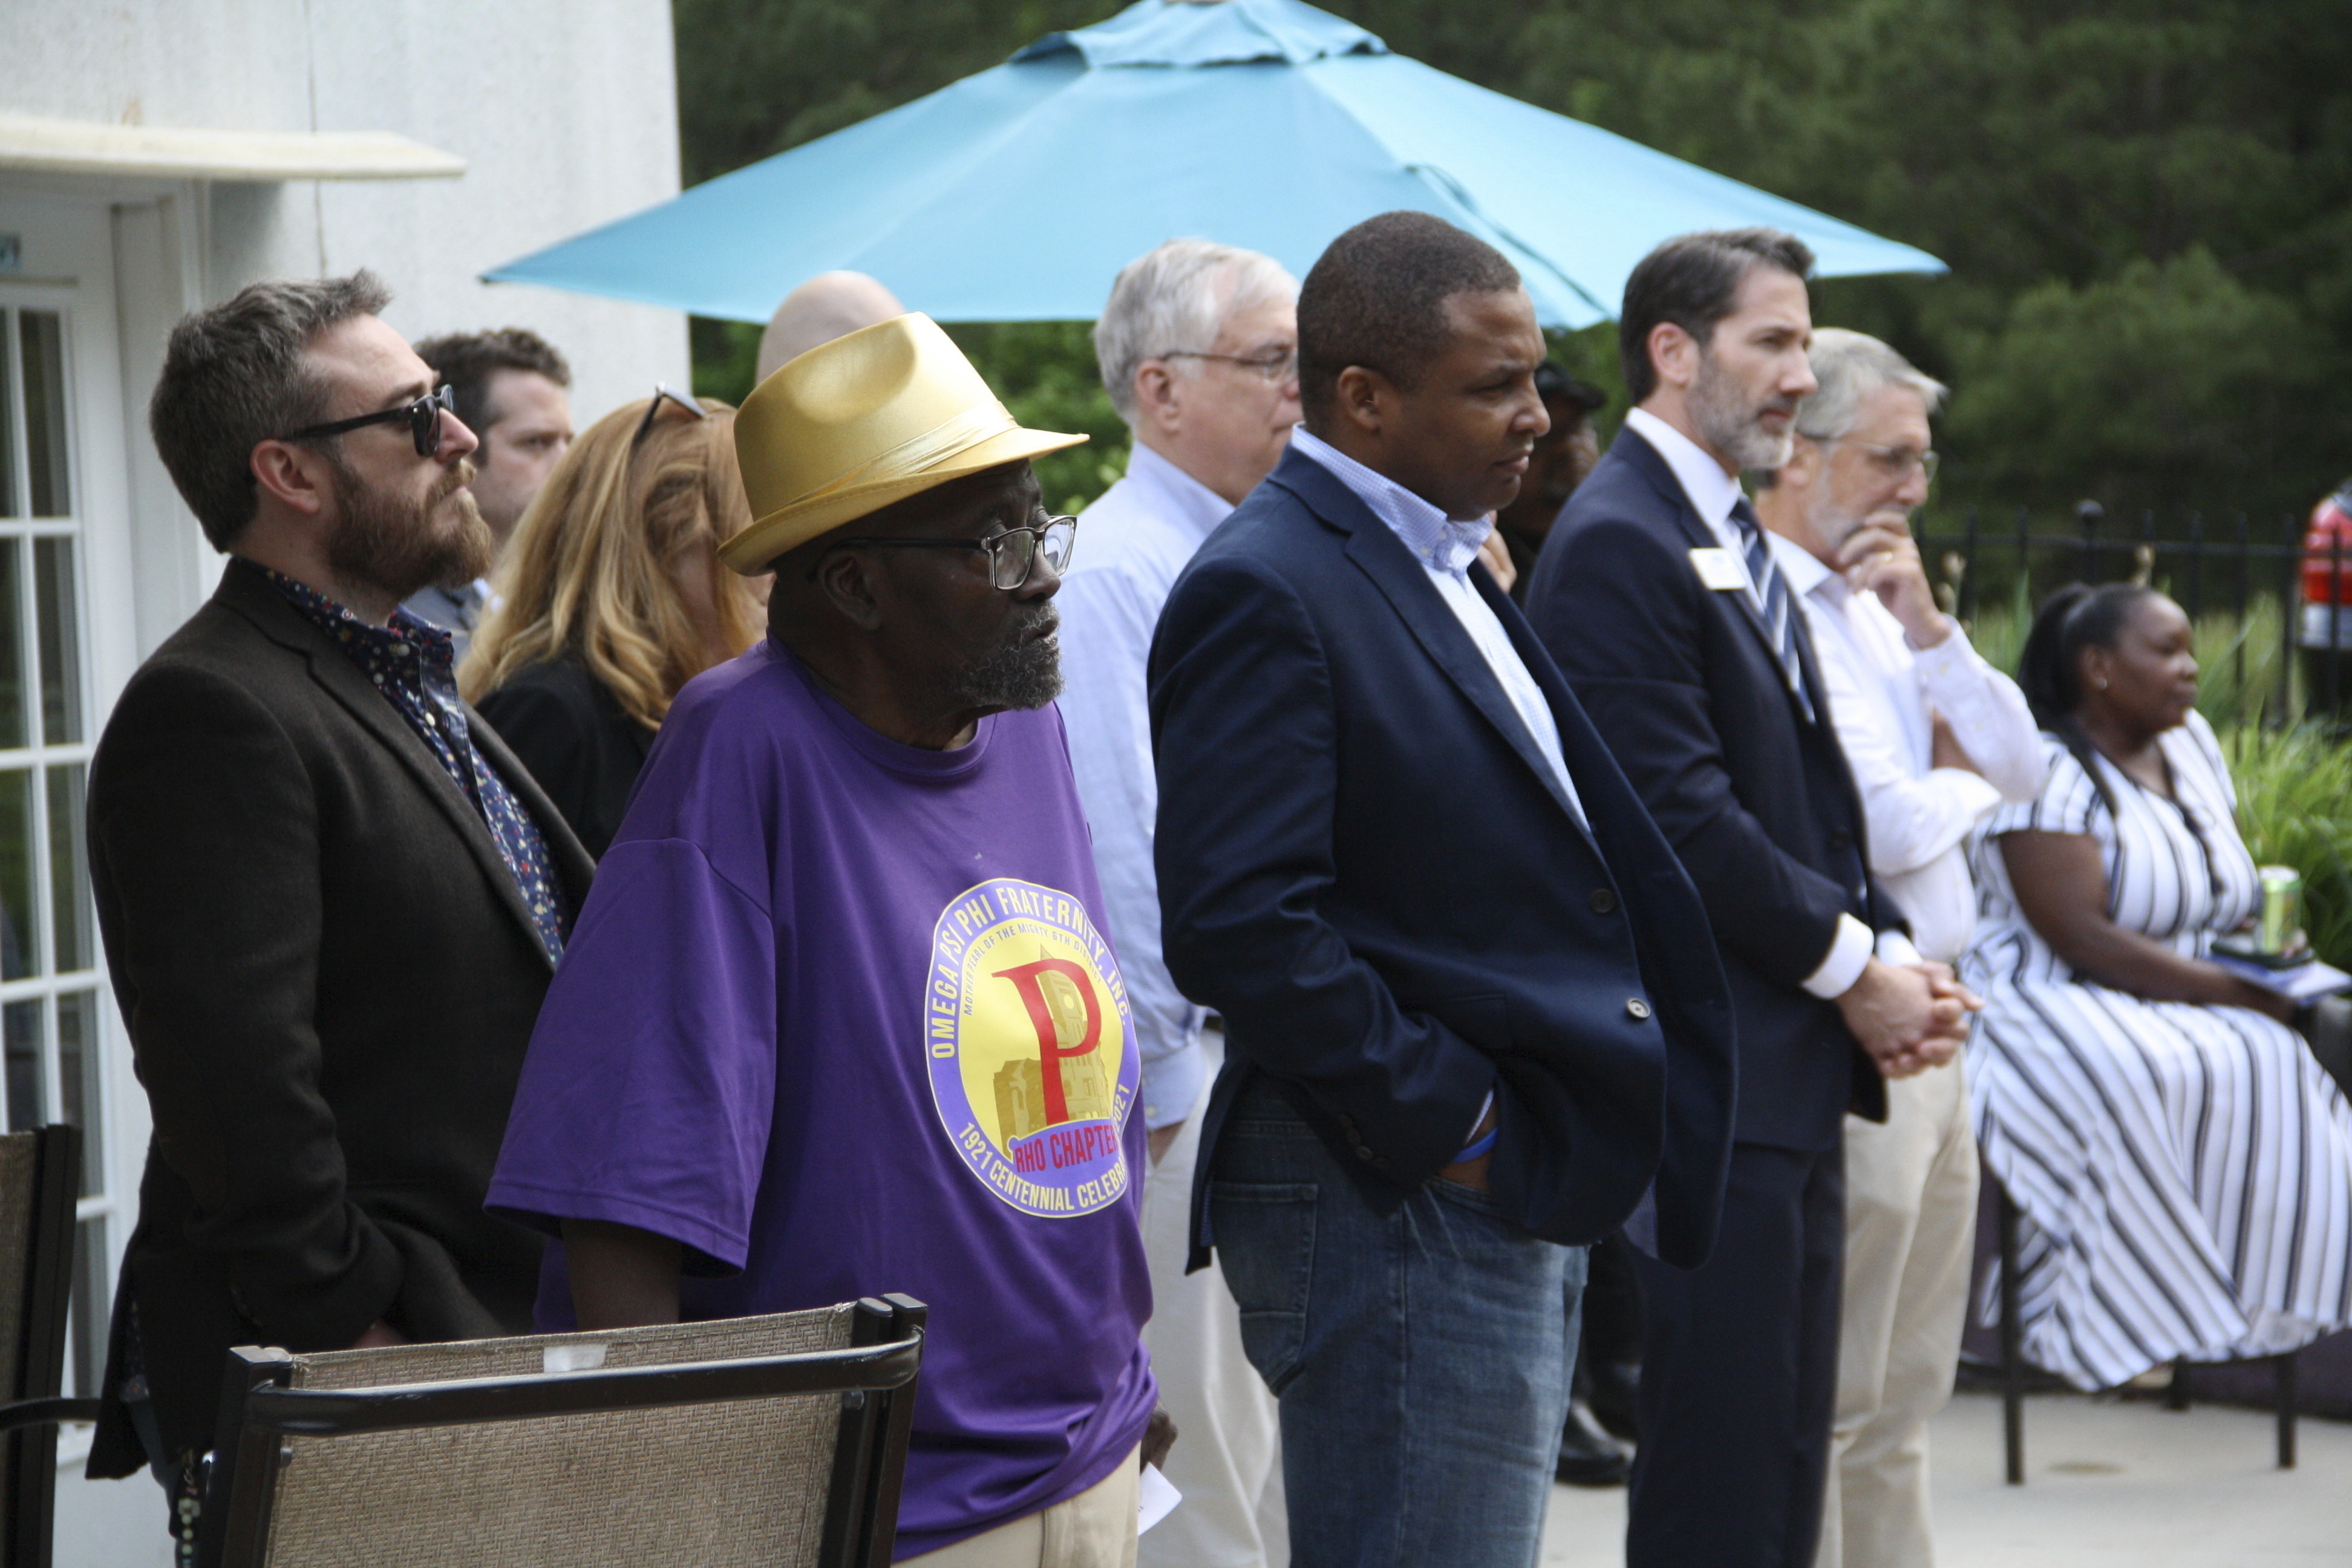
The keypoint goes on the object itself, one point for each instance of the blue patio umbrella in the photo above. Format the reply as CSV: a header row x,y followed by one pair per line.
x,y
1018,193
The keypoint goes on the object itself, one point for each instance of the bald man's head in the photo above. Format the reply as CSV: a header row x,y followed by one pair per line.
x,y
827,306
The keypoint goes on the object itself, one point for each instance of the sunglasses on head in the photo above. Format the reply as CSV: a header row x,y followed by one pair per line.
x,y
663,393
423,417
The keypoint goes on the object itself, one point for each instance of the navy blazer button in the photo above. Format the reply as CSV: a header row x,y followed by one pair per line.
x,y
1636,1008
1362,1152
1604,901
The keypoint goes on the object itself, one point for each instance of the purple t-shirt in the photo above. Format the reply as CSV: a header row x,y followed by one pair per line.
x,y
838,1016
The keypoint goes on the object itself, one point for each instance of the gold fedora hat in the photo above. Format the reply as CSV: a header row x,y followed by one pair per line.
x,y
883,413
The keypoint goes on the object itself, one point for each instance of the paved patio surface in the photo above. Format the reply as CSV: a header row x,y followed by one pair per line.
x,y
2109,1484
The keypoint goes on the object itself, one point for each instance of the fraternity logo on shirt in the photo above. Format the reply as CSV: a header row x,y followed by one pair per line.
x,y
1026,1023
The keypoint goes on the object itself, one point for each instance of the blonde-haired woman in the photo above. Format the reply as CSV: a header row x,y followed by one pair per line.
x,y
614,599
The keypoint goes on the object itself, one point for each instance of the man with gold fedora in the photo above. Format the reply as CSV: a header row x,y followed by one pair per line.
x,y
841,1020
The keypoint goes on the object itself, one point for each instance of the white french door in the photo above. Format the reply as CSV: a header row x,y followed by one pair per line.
x,y
63,1056
53,1009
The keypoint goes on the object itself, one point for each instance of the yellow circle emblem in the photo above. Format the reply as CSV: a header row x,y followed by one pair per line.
x,y
1028,1026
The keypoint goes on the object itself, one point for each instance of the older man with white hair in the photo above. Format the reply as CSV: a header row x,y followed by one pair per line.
x,y
1935,738
1199,350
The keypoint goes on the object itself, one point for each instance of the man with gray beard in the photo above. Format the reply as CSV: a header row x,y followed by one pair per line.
x,y
1659,599
331,899
840,1018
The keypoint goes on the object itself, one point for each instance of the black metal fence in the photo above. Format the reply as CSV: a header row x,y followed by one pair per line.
x,y
2207,566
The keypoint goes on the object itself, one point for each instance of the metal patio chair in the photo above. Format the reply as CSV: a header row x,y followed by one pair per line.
x,y
2013,1361
39,1182
777,1441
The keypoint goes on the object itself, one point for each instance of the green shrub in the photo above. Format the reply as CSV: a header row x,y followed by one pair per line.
x,y
2238,661
2295,781
2295,806
1998,631
2237,667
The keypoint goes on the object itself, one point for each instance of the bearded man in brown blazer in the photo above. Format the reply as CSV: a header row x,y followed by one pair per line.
x,y
331,899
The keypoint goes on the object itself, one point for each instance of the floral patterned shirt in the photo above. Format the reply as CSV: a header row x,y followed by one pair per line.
x,y
411,663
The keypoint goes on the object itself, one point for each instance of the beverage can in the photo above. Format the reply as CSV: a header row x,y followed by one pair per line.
x,y
2282,912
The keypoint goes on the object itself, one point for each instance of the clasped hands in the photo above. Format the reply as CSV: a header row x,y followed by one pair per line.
x,y
1909,1016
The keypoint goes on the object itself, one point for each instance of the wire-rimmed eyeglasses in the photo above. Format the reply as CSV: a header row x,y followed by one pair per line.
x,y
1011,555
423,417
1897,461
664,393
1276,367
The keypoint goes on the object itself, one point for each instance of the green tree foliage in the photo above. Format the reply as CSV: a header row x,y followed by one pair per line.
x,y
756,76
1046,371
2174,379
2146,205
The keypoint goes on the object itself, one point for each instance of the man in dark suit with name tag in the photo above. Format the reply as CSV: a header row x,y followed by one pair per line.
x,y
1472,1011
1659,600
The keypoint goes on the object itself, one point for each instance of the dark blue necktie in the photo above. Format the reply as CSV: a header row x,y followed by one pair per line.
x,y
1772,592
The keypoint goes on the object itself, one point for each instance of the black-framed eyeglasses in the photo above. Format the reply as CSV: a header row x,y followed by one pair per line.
x,y
664,393
423,417
1897,460
1276,367
1011,555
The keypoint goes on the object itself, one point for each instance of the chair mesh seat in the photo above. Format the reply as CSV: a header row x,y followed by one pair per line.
x,y
711,1485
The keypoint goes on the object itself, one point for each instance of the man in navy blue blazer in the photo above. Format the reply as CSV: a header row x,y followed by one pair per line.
x,y
1472,1010
1659,600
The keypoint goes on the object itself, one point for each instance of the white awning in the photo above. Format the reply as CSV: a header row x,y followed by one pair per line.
x,y
86,147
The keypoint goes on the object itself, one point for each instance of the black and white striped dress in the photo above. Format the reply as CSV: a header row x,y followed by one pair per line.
x,y
2185,1172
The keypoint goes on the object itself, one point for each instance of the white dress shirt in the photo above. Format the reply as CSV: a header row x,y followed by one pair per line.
x,y
1445,549
1880,692
1711,490
1132,542
1714,493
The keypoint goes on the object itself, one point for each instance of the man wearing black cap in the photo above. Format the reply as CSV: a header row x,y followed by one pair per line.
x,y
1563,455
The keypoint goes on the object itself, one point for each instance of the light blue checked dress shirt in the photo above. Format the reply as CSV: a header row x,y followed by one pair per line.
x,y
1445,549
1137,538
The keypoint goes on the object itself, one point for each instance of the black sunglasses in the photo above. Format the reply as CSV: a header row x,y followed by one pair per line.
x,y
663,393
423,417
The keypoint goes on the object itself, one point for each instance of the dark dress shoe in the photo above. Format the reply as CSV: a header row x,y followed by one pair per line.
x,y
1614,1390
1588,1456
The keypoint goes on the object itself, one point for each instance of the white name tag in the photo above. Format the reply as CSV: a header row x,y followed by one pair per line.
x,y
1718,568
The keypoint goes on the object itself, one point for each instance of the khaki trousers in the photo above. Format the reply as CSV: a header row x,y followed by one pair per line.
x,y
1094,1529
1228,1456
1910,1228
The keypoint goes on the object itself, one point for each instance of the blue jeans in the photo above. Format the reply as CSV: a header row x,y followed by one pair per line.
x,y
1421,1357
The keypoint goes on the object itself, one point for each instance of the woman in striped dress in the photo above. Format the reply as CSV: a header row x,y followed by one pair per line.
x,y
2183,1165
